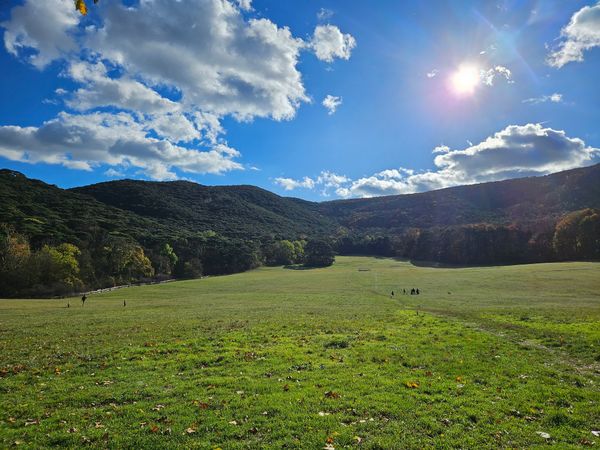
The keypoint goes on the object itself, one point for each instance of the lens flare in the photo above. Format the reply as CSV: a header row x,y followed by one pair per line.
x,y
465,80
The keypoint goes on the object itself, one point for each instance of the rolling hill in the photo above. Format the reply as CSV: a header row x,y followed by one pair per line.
x,y
143,209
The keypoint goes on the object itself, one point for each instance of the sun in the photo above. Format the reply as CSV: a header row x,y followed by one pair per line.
x,y
465,80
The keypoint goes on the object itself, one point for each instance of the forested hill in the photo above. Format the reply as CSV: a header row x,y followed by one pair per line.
x,y
521,201
168,210
56,241
152,211
236,211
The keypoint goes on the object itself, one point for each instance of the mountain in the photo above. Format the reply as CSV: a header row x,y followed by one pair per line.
x,y
125,231
235,211
518,201
152,211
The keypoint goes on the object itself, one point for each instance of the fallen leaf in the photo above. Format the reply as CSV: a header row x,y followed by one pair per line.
x,y
233,422
412,384
332,394
543,434
286,387
154,429
29,422
358,439
81,7
329,440
596,433
190,430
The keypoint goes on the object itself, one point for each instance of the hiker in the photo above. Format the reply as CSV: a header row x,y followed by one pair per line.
x,y
392,294
404,291
124,304
417,291
412,291
83,299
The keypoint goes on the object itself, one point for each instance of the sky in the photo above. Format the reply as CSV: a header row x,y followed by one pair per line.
x,y
318,99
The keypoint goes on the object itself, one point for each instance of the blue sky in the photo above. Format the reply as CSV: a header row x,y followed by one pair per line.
x,y
420,95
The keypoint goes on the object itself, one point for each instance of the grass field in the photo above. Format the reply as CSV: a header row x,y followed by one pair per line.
x,y
496,357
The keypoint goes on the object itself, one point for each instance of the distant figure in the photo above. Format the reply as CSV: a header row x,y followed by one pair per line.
x,y
392,293
418,291
83,299
68,305
124,304
404,291
412,291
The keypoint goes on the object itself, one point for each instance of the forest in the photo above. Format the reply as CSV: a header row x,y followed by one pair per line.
x,y
55,242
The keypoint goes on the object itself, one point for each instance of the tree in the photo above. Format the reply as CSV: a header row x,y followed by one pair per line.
x,y
14,261
56,269
280,253
318,253
577,235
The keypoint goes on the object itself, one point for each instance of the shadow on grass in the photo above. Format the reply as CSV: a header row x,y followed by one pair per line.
x,y
299,267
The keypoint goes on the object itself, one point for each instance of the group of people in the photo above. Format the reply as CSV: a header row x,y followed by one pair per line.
x,y
413,291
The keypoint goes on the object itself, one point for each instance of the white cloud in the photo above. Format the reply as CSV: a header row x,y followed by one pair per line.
x,y
245,5
44,27
331,179
581,34
441,149
324,14
329,42
171,70
331,102
114,173
433,73
553,98
289,184
488,76
516,151
88,140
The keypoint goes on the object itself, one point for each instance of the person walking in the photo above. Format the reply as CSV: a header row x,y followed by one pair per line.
x,y
83,299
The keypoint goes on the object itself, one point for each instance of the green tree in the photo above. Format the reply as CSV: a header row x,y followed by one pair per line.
x,y
56,269
319,253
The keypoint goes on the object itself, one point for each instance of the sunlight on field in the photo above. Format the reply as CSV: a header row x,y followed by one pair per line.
x,y
483,358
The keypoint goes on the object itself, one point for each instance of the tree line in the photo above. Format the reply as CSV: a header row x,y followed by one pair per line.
x,y
575,236
112,259
107,259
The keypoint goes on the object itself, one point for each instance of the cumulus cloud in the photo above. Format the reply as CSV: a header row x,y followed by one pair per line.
x,y
581,34
554,98
516,151
331,103
441,149
88,140
326,180
289,184
329,42
41,30
171,70
433,73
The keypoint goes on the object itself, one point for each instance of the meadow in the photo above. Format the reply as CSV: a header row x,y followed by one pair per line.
x,y
488,357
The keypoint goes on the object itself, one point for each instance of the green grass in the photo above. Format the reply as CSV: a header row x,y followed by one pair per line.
x,y
277,358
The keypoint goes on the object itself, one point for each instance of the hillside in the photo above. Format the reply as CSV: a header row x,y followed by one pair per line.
x,y
48,214
143,209
236,211
523,201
